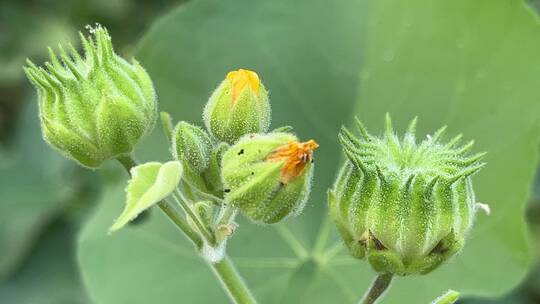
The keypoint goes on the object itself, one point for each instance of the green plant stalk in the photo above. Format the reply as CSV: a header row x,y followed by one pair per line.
x,y
232,282
379,286
224,270
209,237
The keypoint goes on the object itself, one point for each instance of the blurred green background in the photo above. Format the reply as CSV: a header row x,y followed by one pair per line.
x,y
52,231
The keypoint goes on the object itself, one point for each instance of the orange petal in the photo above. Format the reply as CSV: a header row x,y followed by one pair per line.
x,y
296,155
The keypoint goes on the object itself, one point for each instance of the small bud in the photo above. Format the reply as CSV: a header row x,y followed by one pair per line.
x,y
192,146
404,206
268,176
238,106
96,108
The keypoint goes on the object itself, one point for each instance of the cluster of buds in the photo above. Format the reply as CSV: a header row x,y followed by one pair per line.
x,y
93,108
267,176
404,206
98,107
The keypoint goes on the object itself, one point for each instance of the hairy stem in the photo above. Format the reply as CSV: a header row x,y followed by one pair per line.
x,y
232,282
377,289
230,279
172,210
208,236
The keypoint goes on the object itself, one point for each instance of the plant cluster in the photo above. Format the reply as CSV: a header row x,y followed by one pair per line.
x,y
403,205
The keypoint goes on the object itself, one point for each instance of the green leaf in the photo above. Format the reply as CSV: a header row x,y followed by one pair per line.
x,y
149,184
465,63
50,276
471,65
34,189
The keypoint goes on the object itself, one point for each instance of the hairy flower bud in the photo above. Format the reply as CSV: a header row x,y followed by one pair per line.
x,y
406,207
268,176
192,146
238,106
93,108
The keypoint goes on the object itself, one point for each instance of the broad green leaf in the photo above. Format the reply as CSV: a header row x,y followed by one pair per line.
x,y
309,55
149,184
33,190
471,65
50,276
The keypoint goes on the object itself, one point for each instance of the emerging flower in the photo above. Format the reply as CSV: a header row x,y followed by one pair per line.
x,y
406,207
295,155
95,108
241,79
239,106
268,177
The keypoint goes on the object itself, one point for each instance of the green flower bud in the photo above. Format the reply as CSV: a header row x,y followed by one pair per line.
x,y
268,176
404,206
238,106
192,146
93,108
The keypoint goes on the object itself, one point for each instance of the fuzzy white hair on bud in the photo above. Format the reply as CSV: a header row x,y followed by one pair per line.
x,y
405,206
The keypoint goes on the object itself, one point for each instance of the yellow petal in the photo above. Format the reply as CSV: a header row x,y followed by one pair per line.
x,y
241,79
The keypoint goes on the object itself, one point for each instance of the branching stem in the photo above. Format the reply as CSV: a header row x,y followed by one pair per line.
x,y
224,270
183,201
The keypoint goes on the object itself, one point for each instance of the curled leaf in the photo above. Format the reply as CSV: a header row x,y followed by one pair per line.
x,y
149,184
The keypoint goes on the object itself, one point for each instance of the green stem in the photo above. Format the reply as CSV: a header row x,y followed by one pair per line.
x,y
127,161
203,194
224,270
182,200
232,282
175,215
166,124
377,289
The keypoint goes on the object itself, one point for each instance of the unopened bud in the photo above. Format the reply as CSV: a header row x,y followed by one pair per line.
x,y
405,206
192,146
268,176
96,108
239,106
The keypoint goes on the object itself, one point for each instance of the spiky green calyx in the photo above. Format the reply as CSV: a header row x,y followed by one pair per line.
x,y
93,108
405,206
238,106
268,176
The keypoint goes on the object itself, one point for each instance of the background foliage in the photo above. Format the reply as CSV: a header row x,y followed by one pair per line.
x,y
471,65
